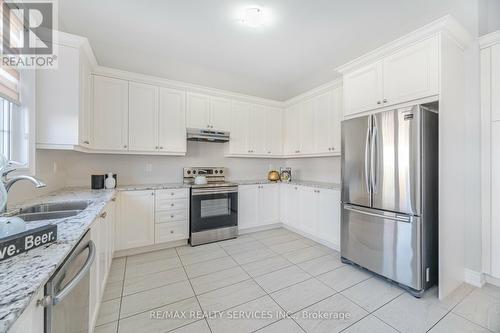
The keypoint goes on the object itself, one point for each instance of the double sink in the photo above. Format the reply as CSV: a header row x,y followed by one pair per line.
x,y
51,211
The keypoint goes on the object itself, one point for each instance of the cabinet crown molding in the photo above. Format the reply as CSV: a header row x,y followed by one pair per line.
x,y
489,39
77,42
446,24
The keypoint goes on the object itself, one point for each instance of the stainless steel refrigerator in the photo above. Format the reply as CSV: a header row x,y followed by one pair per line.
x,y
390,195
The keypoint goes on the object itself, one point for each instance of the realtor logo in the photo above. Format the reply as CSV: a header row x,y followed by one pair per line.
x,y
28,34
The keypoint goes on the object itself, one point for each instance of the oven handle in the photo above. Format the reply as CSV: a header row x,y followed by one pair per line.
x,y
79,276
213,191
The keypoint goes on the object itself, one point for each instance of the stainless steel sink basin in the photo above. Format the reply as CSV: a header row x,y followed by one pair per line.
x,y
56,207
28,217
50,211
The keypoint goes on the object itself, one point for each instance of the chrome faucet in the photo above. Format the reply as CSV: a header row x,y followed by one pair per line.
x,y
7,183
37,182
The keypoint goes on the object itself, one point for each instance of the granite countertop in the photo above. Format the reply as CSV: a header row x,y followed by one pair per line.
x,y
325,185
159,186
21,276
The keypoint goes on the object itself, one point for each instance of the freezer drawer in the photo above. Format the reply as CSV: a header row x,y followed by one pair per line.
x,y
386,243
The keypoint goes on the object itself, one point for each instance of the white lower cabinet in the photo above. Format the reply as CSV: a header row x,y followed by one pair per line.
x,y
32,318
171,215
102,234
152,217
258,205
313,211
135,225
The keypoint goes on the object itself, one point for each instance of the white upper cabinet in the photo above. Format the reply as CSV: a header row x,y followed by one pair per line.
x,y
408,74
240,115
257,130
292,130
220,114
274,132
208,112
143,117
307,124
363,89
198,111
172,121
63,101
110,113
411,73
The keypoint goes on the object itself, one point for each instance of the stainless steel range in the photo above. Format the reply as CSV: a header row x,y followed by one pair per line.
x,y
214,206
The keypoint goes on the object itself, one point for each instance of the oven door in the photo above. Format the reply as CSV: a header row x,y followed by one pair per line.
x,y
214,208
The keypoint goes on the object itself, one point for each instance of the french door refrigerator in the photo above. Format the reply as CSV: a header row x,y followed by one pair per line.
x,y
390,195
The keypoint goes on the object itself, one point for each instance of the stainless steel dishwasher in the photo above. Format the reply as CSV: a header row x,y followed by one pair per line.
x,y
67,292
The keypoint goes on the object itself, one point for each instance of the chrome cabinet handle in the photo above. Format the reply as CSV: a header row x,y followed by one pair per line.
x,y
86,142
124,146
156,147
171,231
103,215
172,205
385,100
79,276
114,199
161,147
379,102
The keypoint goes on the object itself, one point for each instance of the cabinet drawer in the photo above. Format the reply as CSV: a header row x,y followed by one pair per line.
x,y
171,231
171,216
162,205
171,194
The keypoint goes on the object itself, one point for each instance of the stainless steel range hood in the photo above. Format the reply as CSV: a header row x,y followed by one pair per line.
x,y
206,135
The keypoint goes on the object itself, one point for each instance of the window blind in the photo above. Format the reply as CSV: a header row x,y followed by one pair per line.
x,y
9,77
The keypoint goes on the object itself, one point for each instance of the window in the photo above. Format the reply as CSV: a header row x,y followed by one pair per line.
x,y
13,132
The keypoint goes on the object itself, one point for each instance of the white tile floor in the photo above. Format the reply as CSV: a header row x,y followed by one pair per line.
x,y
249,283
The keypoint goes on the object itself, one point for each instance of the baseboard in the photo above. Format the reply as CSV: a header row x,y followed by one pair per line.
x,y
144,249
333,246
492,280
259,228
474,278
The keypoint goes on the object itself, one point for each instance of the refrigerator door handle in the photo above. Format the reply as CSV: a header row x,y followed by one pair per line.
x,y
374,159
367,152
396,217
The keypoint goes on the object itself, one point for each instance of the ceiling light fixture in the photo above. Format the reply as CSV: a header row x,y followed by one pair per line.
x,y
254,17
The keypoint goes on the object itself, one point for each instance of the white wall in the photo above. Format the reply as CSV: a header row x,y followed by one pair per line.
x,y
324,169
50,168
489,16
143,169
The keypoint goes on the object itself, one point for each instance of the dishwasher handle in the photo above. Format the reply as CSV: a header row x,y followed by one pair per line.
x,y
79,276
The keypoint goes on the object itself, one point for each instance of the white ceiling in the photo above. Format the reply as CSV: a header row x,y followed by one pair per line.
x,y
199,41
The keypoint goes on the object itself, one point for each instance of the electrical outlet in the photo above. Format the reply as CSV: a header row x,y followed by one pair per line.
x,y
54,168
149,167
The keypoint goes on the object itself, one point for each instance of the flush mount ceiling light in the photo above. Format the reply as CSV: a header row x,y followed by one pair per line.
x,y
254,17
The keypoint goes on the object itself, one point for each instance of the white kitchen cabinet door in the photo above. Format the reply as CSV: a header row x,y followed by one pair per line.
x,y
220,114
135,220
495,82
268,208
257,130
412,73
57,100
495,199
110,113
323,122
292,130
307,135
336,120
247,206
308,210
32,318
328,216
363,89
95,281
143,117
292,205
85,114
274,132
198,111
172,121
240,116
